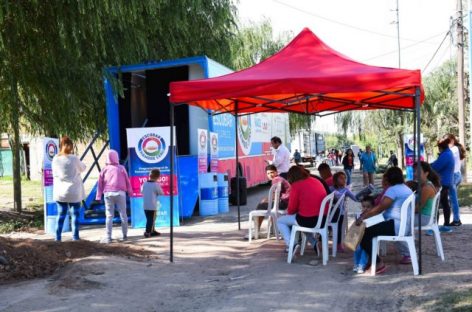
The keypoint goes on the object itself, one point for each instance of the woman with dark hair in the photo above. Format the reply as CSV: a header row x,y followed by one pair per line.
x,y
68,189
430,184
348,163
306,195
458,151
444,166
390,207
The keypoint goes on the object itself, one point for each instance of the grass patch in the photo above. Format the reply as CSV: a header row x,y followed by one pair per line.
x,y
458,301
465,194
24,222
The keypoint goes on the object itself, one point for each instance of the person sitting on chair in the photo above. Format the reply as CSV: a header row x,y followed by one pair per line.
x,y
273,176
306,195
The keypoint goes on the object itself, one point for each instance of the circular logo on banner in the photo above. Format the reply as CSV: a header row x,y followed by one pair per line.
x,y
214,143
152,148
411,143
51,149
244,134
203,140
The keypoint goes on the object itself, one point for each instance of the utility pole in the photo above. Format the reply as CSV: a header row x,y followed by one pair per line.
x,y
460,74
398,36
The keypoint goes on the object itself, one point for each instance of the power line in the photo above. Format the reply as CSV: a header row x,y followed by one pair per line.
x,y
340,23
405,47
436,52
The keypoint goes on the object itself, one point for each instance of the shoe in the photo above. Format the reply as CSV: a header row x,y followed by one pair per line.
x,y
455,223
105,241
381,269
147,235
429,233
445,229
405,260
340,248
155,233
124,239
360,270
354,269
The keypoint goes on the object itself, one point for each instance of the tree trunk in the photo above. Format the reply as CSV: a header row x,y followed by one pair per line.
x,y
16,146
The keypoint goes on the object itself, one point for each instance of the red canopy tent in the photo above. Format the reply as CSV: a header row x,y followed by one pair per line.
x,y
306,77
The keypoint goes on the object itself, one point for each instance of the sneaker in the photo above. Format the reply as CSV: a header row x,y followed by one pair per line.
x,y
429,233
354,269
155,233
360,270
105,240
455,223
405,260
147,235
445,229
124,239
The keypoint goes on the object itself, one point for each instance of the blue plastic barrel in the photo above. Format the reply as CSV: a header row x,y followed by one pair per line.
x,y
223,201
208,184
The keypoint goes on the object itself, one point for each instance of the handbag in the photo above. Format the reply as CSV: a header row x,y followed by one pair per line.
x,y
354,235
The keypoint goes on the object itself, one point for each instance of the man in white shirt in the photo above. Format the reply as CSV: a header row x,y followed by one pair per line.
x,y
281,158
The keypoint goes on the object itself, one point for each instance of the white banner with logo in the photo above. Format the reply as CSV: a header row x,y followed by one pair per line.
x,y
149,148
202,150
213,152
50,149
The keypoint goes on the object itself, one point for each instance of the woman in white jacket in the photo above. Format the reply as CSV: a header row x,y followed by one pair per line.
x,y
68,190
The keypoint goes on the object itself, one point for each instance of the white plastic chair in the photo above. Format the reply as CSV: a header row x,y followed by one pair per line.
x,y
335,223
270,214
323,231
433,225
408,208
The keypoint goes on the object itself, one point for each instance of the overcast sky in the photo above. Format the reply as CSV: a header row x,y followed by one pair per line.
x,y
364,30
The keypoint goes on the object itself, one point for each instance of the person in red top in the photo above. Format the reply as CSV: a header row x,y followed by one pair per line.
x,y
306,195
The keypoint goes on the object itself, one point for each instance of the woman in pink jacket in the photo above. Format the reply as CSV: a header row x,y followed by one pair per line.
x,y
113,183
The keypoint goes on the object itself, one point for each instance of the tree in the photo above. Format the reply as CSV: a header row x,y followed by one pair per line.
x,y
53,54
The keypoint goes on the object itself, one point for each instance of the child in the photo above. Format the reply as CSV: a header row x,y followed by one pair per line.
x,y
339,188
113,182
360,256
150,190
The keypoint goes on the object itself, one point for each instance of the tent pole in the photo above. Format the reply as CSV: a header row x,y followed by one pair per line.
x,y
237,163
172,149
418,169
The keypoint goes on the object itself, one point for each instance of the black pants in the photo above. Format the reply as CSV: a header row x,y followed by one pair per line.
x,y
382,228
444,200
150,218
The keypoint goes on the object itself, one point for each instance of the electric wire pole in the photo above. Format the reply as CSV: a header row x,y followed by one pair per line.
x,y
460,76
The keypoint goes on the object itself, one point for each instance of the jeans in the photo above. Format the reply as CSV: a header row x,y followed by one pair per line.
x,y
348,176
118,201
61,216
284,225
360,257
453,196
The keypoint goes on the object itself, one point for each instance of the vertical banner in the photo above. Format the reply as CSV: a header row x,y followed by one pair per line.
x,y
409,142
50,149
213,152
149,149
202,150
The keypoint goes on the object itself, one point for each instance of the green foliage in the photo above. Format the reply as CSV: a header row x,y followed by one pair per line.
x,y
253,43
53,53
